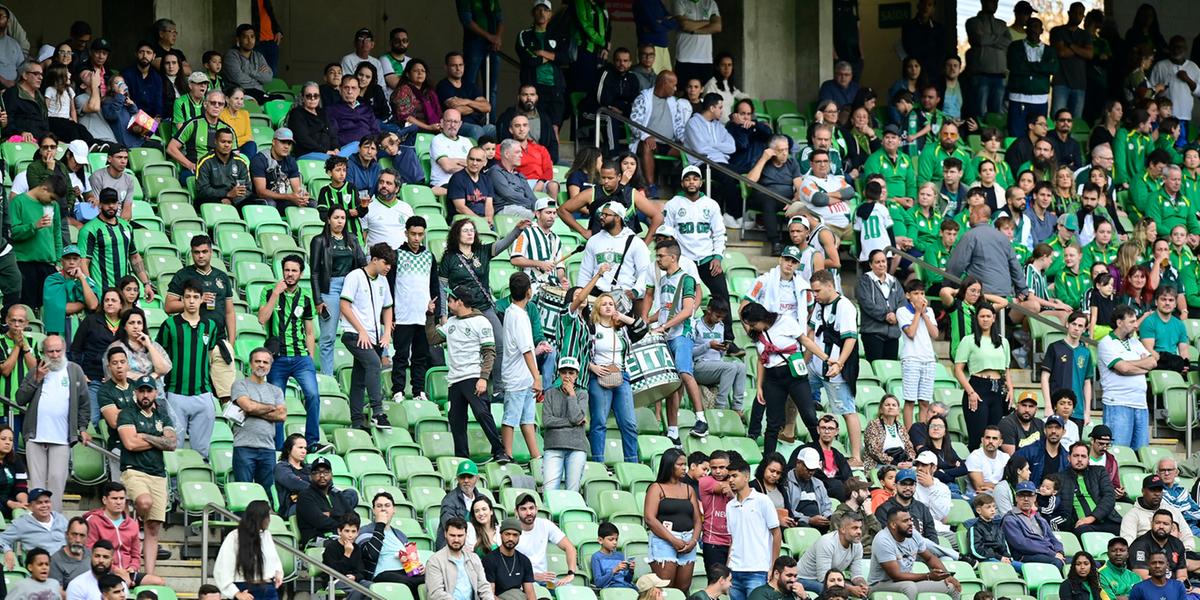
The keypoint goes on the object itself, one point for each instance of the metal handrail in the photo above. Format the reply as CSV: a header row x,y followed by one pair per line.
x,y
290,549
1190,411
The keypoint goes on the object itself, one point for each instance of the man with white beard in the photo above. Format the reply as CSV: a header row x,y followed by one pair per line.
x,y
56,416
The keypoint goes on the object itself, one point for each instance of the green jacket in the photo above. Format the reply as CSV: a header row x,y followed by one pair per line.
x,y
1143,192
31,243
929,167
1130,148
1070,287
592,29
900,176
1004,174
214,179
1169,211
1026,77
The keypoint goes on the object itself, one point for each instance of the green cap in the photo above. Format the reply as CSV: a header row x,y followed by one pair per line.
x,y
791,252
70,249
510,524
1071,222
467,467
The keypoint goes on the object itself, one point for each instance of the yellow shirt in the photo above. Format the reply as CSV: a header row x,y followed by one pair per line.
x,y
239,123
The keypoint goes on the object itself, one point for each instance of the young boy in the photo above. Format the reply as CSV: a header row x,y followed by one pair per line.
x,y
985,534
212,68
342,553
719,581
1064,406
1008,227
1054,511
519,371
917,359
339,193
902,105
610,568
873,224
697,468
708,351
952,195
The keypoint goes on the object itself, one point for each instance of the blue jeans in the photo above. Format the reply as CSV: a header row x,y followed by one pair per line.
x,y
302,368
260,591
745,582
472,130
249,149
561,467
94,401
1018,112
548,367
1068,98
475,51
329,327
1130,426
254,465
619,401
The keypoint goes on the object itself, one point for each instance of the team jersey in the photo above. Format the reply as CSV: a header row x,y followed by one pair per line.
x,y
699,227
669,292
292,311
702,334
1036,281
188,346
199,137
899,175
629,269
873,223
156,423
535,244
122,398
214,281
833,323
1070,287
9,384
465,340
329,197
109,248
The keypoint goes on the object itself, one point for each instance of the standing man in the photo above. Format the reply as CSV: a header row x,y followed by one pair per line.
x,y
987,60
1124,364
367,322
1074,47
109,249
754,529
146,432
36,239
538,250
263,412
610,246
519,369
19,356
833,324
288,312
216,304
385,219
189,338
715,494
675,295
1030,65
57,416
483,32
116,393
417,282
698,20
1179,75
1068,364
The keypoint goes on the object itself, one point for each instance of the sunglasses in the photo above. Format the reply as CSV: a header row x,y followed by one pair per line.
x,y
312,96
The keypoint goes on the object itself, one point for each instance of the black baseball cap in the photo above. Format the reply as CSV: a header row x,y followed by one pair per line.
x,y
1153,482
320,463
109,196
364,32
101,44
145,381
1101,432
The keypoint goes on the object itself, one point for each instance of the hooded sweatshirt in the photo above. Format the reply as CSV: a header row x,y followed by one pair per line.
x,y
127,548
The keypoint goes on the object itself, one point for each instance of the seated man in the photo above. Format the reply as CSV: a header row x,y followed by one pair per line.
x,y
222,176
1116,579
276,175
781,582
1177,496
1159,540
496,564
318,508
658,110
113,523
810,503
708,136
1139,519
383,546
448,151
464,97
41,527
839,550
617,90
777,171
895,550
198,136
447,569
828,195
73,558
514,194
470,189
536,166
1099,512
351,118
542,128
1028,533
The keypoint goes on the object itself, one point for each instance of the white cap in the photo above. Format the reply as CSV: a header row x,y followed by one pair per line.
x,y
926,458
691,170
79,150
544,203
546,3
45,52
809,457
665,230
614,207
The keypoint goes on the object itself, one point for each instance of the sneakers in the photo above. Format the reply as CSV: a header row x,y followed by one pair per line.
x,y
398,397
421,397
700,429
501,459
163,553
320,447
731,223
381,422
675,441
734,350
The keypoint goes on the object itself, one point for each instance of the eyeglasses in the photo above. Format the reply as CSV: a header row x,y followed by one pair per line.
x,y
50,147
35,73
312,96
65,53
215,103
1166,470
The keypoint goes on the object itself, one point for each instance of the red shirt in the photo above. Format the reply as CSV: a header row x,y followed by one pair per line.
x,y
712,504
535,163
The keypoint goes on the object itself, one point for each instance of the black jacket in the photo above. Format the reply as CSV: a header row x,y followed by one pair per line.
x,y
546,136
1076,590
310,509
748,144
25,113
314,133
322,261
614,89
922,518
985,540
1099,486
453,505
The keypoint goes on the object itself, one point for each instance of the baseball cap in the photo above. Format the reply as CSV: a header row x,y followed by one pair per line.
x,y
364,32
70,249
546,3
115,149
284,134
614,207
691,170
568,362
891,129
79,151
1026,487
109,195
1023,7
1153,482
523,498
1027,397
1071,222
544,203
791,252
1101,432
665,231
650,581
100,44
1055,420
463,294
809,457
197,77
510,524
321,463
467,467
46,52
145,381
926,458
36,493
906,475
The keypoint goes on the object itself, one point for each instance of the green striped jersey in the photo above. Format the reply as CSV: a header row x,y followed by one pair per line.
x,y
109,247
1036,282
189,348
287,322
9,385
199,137
329,197
961,323
535,244
574,340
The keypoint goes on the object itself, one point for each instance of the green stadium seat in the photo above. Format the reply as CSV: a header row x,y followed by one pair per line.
x,y
800,539
246,272
335,413
1096,543
1161,381
140,157
419,195
369,468
162,265
145,239
88,467
162,592
1070,542
1001,579
1150,455
566,506
347,439
422,142
960,512
724,422
421,416
437,444
239,494
310,169
631,475
157,184
391,591
650,446
1038,575
619,506
277,110
175,214
239,246
407,469
261,219
580,532
221,215
745,446
299,217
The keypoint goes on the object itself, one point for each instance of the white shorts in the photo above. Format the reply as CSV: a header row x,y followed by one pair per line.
x,y
918,379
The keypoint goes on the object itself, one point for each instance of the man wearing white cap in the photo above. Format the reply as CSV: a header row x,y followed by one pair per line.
x,y
931,492
806,499
538,251
276,175
618,247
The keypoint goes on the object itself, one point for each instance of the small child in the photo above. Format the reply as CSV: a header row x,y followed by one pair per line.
x,y
1064,406
339,193
212,67
1051,509
610,568
1100,301
342,553
985,534
887,485
708,350
918,361
873,223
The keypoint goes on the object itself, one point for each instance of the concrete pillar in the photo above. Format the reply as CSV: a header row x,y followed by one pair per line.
x,y
203,24
787,48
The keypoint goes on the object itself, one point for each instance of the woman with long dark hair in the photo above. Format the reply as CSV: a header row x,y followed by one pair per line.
x,y
960,306
145,356
95,334
13,475
1137,293
981,368
415,105
1107,125
781,373
60,105
887,441
585,170
672,514
291,472
248,565
1016,470
372,95
1083,580
770,478
483,535
333,254
950,465
721,83
911,80
631,172
175,83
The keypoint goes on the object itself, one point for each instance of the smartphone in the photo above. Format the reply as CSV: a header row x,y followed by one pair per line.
x,y
324,312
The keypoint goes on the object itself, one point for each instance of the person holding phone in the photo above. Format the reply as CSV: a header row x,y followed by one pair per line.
x,y
333,254
610,568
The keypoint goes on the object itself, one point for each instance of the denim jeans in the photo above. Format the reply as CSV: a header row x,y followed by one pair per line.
x,y
94,401
619,401
548,367
1130,426
1018,112
254,465
987,96
475,51
269,49
476,131
329,327
553,473
305,372
1068,98
260,591
745,582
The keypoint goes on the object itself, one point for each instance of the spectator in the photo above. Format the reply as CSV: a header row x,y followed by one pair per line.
x,y
189,103
706,135
417,279
319,506
1175,495
536,536
833,469
714,496
887,440
880,296
97,62
13,476
167,34
342,554
397,57
806,497
778,380
985,465
469,190
295,342
985,534
315,137
698,21
1116,579
1091,484
236,116
647,58
366,309
1030,65
898,170
1021,427
1123,366
934,156
543,125
89,108
1140,519
37,243
116,175
112,523
1178,75
464,96
73,558
906,489
520,577
415,103
216,305
839,550
1164,335
782,583
263,411
1068,364
276,175
535,164
1101,440
245,67
1160,580
1073,46
196,137
145,83
248,565
658,110
384,547
90,346
1083,580
1048,455
57,417
372,95
894,552
38,585
1158,541
709,349
1066,149
456,502
223,177
146,432
934,494
673,548
98,580
351,118
41,527
836,373
750,138
754,529
610,188
842,89
564,416
514,193
189,338
448,151
442,582
25,104
828,194
609,564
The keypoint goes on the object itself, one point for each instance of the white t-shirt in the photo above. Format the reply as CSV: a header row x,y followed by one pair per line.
x,y
702,334
534,542
873,230
464,339
382,68
444,147
608,346
991,468
53,408
518,339
59,105
368,298
84,587
784,333
920,346
21,184
750,522
693,47
1121,390
386,223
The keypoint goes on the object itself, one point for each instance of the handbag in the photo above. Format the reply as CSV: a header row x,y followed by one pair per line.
x,y
614,379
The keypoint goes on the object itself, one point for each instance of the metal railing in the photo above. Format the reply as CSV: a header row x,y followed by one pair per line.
x,y
1190,411
299,554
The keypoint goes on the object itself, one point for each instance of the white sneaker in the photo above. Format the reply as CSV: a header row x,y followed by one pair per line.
x,y
398,397
731,223
421,397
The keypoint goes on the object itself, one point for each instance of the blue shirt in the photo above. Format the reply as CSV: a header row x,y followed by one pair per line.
x,y
472,192
653,23
389,554
1167,335
1146,590
147,93
462,585
602,575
